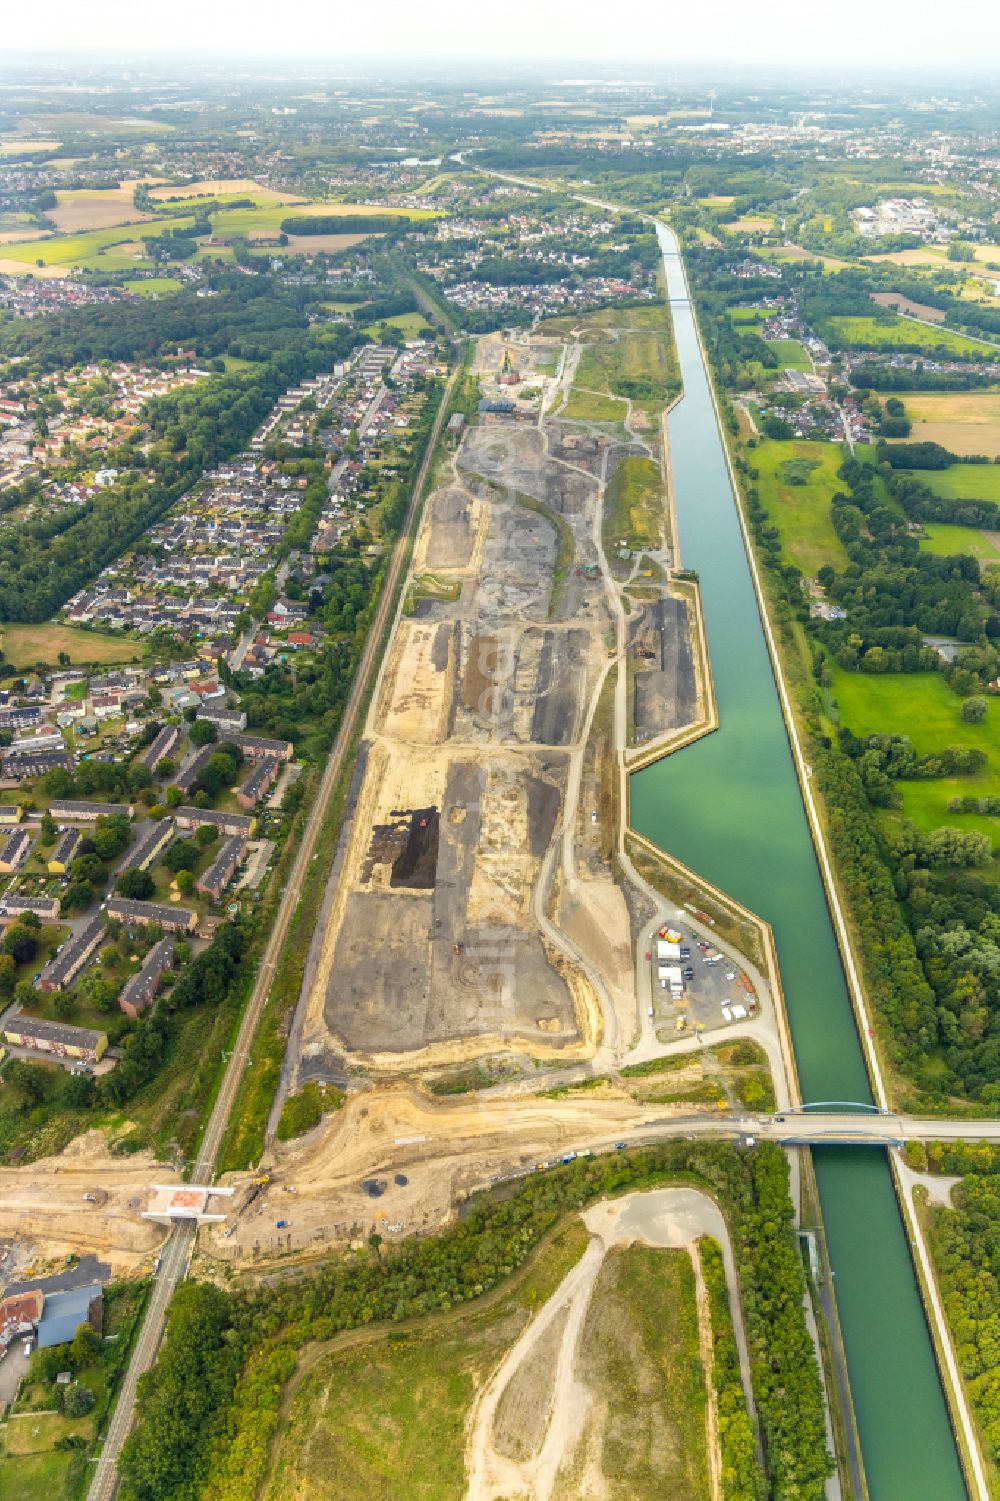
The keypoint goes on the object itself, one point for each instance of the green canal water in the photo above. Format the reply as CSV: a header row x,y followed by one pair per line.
x,y
730,808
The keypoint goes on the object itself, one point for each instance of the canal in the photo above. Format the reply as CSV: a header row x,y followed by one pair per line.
x,y
730,808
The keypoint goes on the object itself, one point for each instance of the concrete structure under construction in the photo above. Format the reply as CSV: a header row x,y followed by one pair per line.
x,y
184,1201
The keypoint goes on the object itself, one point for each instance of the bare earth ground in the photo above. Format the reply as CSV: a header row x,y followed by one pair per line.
x,y
444,1148
447,927
565,1436
473,910
46,1203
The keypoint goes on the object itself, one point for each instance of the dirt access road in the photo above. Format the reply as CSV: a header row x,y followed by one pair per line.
x,y
667,1217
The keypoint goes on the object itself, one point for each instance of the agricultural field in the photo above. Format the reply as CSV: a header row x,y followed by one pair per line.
x,y
963,481
872,333
634,505
218,187
95,208
310,244
749,226
945,541
799,253
17,145
923,707
927,256
797,481
965,422
154,286
25,645
902,304
79,249
791,354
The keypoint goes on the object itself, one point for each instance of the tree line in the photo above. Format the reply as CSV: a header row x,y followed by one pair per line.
x,y
237,1349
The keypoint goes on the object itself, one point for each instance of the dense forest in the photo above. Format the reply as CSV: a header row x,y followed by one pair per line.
x,y
965,1244
210,1406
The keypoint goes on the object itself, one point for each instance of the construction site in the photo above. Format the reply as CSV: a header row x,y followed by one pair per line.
x,y
472,906
481,913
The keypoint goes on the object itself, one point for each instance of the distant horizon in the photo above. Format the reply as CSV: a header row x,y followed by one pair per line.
x,y
574,34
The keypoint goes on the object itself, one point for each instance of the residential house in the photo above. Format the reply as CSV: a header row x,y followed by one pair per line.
x,y
64,854
14,850
56,1038
219,874
141,988
63,968
258,782
155,914
226,823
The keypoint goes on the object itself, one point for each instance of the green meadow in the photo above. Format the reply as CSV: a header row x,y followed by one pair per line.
x,y
964,481
923,707
790,353
797,481
154,286
946,540
875,333
76,250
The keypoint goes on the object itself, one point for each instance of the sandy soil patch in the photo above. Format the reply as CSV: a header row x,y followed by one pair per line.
x,y
444,1148
45,1203
422,675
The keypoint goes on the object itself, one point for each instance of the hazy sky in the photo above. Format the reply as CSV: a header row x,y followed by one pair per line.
x,y
904,33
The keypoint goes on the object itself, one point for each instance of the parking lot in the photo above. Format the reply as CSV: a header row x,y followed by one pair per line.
x,y
715,990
